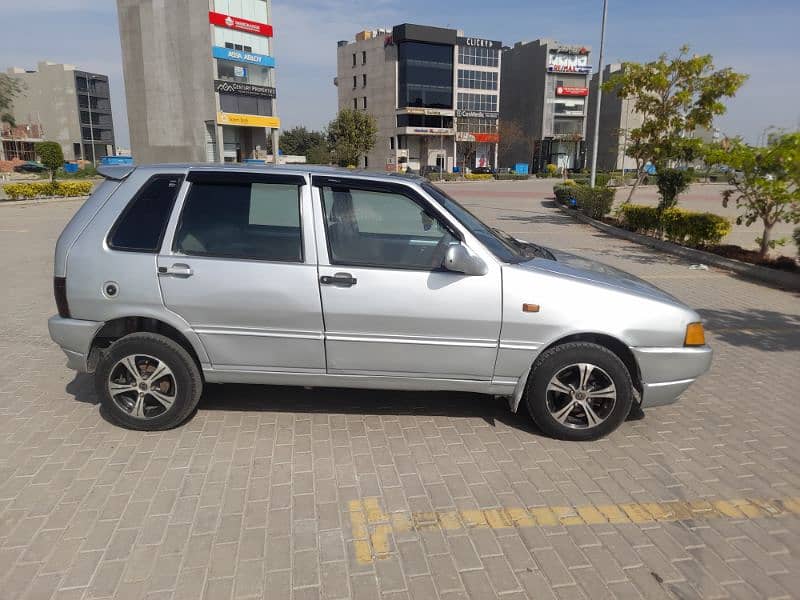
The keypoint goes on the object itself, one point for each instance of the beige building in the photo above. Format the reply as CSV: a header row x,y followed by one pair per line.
x,y
68,106
434,95
199,79
617,119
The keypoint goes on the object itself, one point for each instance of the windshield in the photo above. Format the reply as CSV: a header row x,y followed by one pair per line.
x,y
504,246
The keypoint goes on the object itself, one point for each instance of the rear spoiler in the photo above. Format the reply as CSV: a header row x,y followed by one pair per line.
x,y
116,172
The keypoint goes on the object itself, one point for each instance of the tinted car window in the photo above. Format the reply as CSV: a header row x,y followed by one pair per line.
x,y
382,229
259,221
141,226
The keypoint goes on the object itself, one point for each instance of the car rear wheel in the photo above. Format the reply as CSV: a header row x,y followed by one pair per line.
x,y
148,382
579,391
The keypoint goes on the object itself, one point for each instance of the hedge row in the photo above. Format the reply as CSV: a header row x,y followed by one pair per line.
x,y
593,202
38,189
511,177
677,225
478,176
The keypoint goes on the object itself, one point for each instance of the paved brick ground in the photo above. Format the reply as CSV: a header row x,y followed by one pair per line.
x,y
267,492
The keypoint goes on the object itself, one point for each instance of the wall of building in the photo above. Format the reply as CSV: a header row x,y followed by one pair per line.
x,y
168,78
49,99
617,118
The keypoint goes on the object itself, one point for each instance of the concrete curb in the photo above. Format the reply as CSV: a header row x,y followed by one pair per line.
x,y
781,279
41,200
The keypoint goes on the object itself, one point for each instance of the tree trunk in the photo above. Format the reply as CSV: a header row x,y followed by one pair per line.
x,y
765,240
639,178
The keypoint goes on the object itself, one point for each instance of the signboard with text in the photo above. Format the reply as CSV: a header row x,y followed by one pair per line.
x,y
563,90
250,58
478,42
224,118
477,114
239,24
243,89
568,63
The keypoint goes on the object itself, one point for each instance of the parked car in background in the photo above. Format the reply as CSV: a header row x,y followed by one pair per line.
x,y
428,170
30,166
483,171
170,277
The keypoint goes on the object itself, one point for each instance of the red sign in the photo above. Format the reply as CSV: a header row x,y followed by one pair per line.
x,y
571,91
486,138
239,24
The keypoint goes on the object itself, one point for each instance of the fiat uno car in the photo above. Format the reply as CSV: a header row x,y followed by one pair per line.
x,y
171,276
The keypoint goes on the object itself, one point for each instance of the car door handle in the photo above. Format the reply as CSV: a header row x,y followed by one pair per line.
x,y
178,270
339,279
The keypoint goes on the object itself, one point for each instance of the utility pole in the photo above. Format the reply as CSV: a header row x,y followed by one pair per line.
x,y
599,95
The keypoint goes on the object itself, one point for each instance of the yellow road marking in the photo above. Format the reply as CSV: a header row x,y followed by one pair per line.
x,y
372,528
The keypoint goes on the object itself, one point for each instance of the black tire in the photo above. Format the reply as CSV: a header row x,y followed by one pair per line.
x,y
554,361
184,371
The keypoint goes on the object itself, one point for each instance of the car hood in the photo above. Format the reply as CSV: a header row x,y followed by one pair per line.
x,y
577,267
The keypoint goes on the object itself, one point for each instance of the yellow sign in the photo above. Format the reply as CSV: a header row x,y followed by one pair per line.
x,y
224,118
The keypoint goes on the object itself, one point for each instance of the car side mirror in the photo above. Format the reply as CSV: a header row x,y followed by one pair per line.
x,y
458,259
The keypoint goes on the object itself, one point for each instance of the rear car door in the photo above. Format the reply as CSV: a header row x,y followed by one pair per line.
x,y
389,307
241,270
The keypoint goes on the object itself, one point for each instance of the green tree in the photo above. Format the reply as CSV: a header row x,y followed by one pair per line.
x,y
51,156
674,97
299,140
9,88
671,183
351,134
766,182
319,154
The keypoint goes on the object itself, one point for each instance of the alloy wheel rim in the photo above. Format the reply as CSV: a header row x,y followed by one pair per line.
x,y
142,385
581,396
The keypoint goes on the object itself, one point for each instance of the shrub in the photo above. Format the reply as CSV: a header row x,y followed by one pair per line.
x,y
595,202
51,156
581,180
694,228
671,183
478,176
36,189
552,170
565,194
602,179
570,182
510,177
643,219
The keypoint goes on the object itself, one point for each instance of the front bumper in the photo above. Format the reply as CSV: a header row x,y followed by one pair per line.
x,y
75,338
667,372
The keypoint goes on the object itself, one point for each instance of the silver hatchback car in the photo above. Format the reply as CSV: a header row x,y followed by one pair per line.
x,y
170,276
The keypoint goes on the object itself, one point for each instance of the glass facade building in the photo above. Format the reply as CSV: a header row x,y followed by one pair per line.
x,y
424,75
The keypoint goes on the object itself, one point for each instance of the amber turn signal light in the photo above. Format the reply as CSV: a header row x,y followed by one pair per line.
x,y
695,336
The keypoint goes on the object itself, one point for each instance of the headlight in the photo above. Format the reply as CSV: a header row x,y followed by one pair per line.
x,y
695,336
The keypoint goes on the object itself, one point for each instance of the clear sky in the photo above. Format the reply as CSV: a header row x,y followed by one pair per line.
x,y
758,38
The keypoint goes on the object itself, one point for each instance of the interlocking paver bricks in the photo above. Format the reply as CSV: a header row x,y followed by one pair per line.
x,y
252,498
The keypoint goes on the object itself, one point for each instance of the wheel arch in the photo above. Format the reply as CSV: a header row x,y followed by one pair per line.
x,y
121,326
615,345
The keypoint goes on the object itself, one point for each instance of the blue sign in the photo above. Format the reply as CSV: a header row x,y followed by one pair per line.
x,y
250,58
521,168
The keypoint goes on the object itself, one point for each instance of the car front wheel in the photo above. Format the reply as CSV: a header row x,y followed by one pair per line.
x,y
579,391
148,382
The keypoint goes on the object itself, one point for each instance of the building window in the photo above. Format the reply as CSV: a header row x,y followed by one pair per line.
x,y
567,126
229,45
425,75
366,162
355,81
477,80
363,57
437,121
477,125
354,59
364,80
484,102
475,55
247,105
391,143
247,48
355,103
365,103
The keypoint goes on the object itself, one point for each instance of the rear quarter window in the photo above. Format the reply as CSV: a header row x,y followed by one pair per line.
x,y
140,227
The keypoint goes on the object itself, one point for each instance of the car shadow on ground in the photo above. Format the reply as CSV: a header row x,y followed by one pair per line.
x,y
761,329
342,401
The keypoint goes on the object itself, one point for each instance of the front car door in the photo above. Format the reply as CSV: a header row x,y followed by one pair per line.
x,y
389,307
241,270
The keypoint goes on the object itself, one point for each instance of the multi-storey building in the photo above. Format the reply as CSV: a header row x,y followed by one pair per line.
x,y
199,79
617,118
68,106
432,92
546,85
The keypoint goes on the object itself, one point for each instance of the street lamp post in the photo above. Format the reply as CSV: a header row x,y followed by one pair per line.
x,y
595,140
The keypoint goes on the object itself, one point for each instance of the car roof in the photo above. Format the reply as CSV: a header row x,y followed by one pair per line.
x,y
122,171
